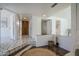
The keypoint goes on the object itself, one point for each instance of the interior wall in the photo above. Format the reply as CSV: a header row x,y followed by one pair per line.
x,y
49,27
34,29
77,29
36,25
65,19
53,24
64,16
0,30
8,32
73,28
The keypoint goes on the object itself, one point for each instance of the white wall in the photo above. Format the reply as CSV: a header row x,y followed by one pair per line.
x,y
65,19
8,17
36,25
77,29
8,36
49,27
35,28
53,25
64,15
73,28
0,29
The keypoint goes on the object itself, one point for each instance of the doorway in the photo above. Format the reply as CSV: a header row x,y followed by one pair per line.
x,y
25,28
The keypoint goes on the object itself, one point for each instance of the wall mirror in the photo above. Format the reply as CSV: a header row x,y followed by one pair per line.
x,y
46,27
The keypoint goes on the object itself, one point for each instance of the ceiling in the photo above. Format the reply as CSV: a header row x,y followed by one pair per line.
x,y
29,8
32,8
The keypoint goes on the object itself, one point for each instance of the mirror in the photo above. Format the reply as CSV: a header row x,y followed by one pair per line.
x,y
46,27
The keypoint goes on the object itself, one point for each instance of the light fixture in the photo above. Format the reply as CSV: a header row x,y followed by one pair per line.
x,y
44,15
54,5
17,22
25,18
58,18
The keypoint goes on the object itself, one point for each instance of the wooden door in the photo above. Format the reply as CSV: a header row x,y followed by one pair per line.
x,y
25,27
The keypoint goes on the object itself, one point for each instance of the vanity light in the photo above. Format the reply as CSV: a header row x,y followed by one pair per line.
x,y
57,18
